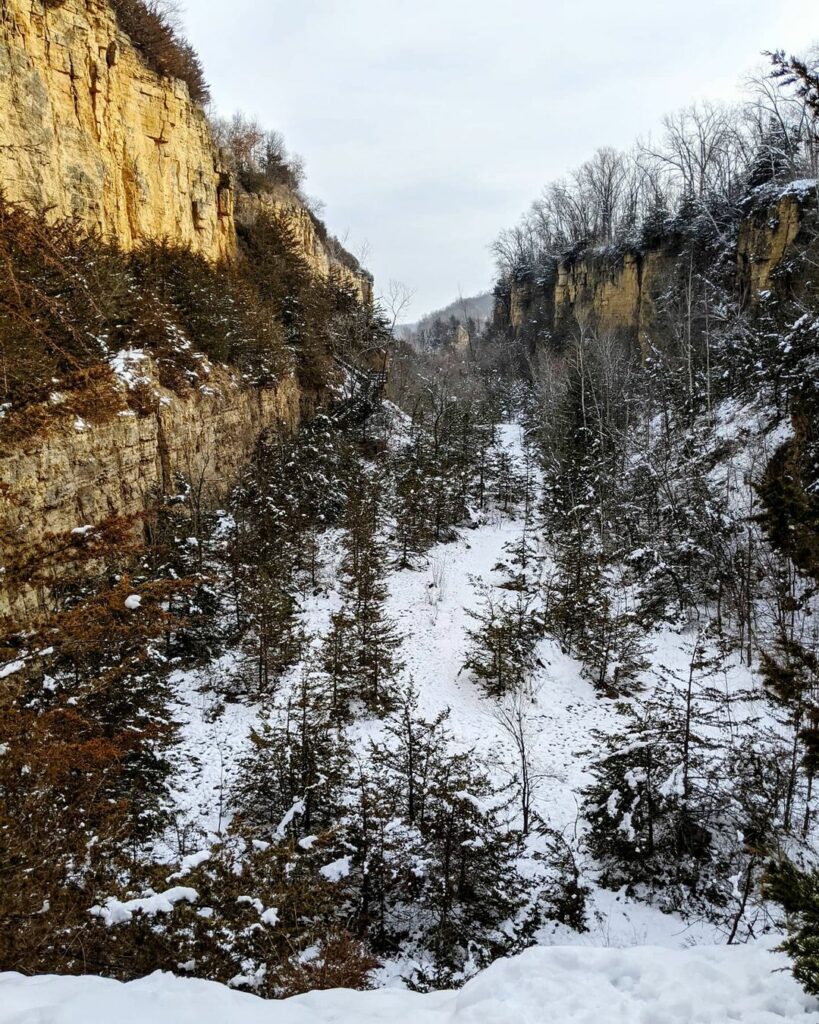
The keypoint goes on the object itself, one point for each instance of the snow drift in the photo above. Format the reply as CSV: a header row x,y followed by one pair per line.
x,y
559,985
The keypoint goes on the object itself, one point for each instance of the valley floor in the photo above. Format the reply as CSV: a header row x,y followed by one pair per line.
x,y
430,604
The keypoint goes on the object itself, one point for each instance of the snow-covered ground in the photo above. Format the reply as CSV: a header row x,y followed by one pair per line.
x,y
430,605
567,985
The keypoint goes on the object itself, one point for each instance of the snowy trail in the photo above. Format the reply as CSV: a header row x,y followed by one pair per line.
x,y
565,708
564,713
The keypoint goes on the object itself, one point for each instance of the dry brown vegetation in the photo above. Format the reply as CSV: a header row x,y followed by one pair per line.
x,y
69,302
73,789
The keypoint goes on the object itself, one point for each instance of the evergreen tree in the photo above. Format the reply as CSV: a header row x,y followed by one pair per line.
x,y
411,753
274,638
502,645
797,891
373,640
411,506
339,662
472,884
291,491
509,488
791,674
291,779
87,754
659,800
435,862
524,559
181,544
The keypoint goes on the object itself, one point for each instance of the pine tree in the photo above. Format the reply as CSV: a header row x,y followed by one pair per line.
x,y
509,488
797,892
411,752
412,508
577,586
660,796
275,925
87,738
290,492
472,884
502,645
291,779
522,565
180,545
373,638
274,632
339,662
790,674
588,612
388,861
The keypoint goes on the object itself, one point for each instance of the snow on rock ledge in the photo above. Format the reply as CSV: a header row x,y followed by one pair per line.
x,y
571,985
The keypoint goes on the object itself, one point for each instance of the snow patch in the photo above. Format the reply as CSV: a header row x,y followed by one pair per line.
x,y
113,911
11,667
337,870
566,985
193,860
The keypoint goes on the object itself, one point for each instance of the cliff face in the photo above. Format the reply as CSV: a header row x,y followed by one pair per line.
x,y
774,232
75,476
614,296
621,293
595,290
88,131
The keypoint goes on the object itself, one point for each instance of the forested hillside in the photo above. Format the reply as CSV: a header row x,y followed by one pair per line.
x,y
506,638
458,323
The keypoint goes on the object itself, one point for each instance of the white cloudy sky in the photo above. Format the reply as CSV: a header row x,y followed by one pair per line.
x,y
429,125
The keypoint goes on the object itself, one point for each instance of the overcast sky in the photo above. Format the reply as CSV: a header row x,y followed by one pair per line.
x,y
429,125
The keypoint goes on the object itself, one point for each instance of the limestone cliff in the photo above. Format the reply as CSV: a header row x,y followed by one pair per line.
x,y
76,476
609,292
772,237
619,291
88,131
614,294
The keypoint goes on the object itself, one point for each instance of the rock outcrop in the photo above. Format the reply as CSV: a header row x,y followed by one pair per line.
x,y
89,132
324,257
605,291
614,294
771,238
74,476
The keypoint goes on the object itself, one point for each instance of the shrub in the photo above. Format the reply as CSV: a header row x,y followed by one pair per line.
x,y
797,892
258,156
275,265
59,295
